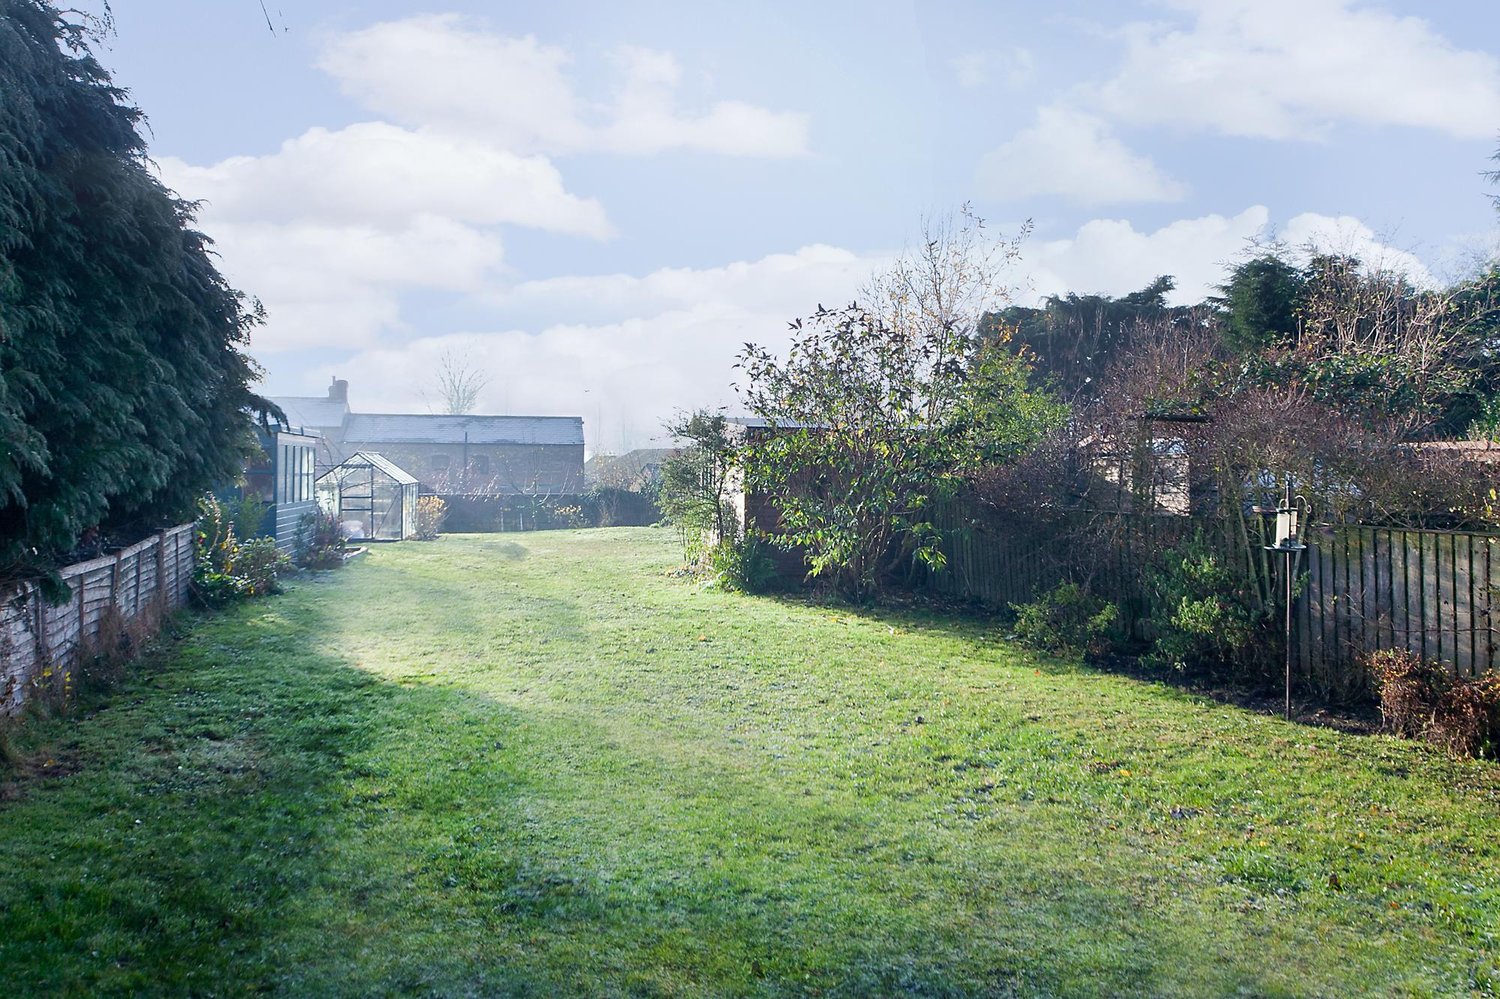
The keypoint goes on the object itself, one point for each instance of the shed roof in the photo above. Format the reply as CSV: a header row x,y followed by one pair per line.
x,y
393,428
360,459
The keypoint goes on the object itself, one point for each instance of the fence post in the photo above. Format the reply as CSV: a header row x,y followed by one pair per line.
x,y
82,619
39,606
161,570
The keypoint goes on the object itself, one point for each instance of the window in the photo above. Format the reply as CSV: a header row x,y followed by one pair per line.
x,y
304,474
480,464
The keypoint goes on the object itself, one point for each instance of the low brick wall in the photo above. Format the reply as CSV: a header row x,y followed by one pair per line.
x,y
41,644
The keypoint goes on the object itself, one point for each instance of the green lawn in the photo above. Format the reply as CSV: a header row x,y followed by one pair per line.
x,y
539,765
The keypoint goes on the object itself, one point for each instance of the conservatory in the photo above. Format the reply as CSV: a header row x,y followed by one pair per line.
x,y
372,497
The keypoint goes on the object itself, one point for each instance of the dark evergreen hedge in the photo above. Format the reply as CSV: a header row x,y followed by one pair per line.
x,y
124,385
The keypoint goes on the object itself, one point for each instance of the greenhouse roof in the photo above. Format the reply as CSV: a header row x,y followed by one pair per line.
x,y
360,459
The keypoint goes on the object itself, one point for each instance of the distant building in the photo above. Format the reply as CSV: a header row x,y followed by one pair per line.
x,y
449,455
322,416
477,455
633,471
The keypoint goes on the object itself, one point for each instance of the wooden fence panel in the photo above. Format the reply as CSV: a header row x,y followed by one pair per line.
x,y
43,643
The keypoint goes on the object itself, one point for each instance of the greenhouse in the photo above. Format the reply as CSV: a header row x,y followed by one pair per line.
x,y
372,497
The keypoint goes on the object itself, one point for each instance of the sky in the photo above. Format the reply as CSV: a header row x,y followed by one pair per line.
x,y
598,204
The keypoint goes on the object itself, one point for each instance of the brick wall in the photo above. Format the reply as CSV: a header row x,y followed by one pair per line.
x,y
492,469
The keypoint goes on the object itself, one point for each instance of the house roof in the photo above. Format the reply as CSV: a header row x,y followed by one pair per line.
x,y
362,459
312,410
627,467
393,428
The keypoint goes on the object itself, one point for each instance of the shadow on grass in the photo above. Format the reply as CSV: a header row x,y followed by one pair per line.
x,y
250,814
988,631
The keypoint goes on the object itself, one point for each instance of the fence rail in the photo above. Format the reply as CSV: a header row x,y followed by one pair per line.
x,y
1362,588
44,643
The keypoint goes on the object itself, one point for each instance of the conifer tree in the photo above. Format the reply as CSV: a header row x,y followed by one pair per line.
x,y
124,382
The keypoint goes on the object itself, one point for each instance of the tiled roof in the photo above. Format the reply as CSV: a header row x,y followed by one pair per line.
x,y
378,428
312,410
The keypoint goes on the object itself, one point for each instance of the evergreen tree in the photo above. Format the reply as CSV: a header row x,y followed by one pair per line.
x,y
1260,304
124,385
1073,339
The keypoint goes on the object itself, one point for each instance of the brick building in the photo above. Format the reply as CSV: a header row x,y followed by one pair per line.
x,y
494,456
477,455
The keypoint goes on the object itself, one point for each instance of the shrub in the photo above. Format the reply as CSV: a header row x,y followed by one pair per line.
x,y
743,565
259,564
320,541
570,515
1468,716
1203,616
1068,619
214,541
1419,699
431,512
1409,688
247,514
225,568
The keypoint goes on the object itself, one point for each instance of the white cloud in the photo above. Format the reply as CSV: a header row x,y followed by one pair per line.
x,y
1074,155
1112,257
787,284
443,71
1287,69
342,285
332,229
433,71
379,174
631,349
1346,235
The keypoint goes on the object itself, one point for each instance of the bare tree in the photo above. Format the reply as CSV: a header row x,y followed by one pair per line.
x,y
456,384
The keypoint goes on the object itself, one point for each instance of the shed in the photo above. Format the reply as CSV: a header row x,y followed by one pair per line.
x,y
282,478
374,492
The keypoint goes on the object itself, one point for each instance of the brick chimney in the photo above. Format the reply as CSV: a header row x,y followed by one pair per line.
x,y
339,391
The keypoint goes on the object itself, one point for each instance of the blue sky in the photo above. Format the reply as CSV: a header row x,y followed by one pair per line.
x,y
597,203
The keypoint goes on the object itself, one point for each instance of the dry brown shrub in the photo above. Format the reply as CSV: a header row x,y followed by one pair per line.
x,y
1409,688
1467,720
1420,700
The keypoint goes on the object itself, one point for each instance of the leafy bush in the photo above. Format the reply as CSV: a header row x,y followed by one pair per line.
x,y
259,564
247,514
570,515
1068,619
431,512
1204,617
743,565
320,541
226,569
1420,699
